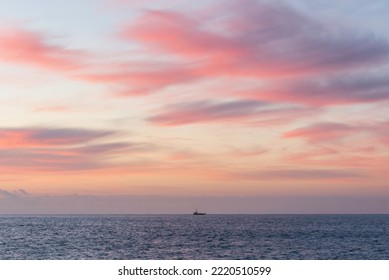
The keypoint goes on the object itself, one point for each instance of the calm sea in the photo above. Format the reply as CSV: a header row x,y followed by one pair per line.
x,y
195,237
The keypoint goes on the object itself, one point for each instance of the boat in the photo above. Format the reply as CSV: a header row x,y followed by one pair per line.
x,y
199,213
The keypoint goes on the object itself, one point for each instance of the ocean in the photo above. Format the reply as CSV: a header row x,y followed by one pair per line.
x,y
270,237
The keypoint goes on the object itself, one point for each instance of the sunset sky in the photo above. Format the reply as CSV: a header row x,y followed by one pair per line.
x,y
241,106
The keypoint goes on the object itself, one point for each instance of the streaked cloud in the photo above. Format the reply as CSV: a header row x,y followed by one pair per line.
x,y
257,39
35,137
22,46
205,111
322,132
62,149
141,78
237,111
336,132
250,152
298,174
325,91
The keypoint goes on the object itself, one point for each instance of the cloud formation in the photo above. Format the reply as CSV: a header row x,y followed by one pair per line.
x,y
205,111
237,111
327,132
321,132
21,46
141,78
258,39
35,137
324,91
62,149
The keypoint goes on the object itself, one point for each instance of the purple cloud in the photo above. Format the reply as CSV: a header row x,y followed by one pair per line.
x,y
257,39
325,91
237,111
42,136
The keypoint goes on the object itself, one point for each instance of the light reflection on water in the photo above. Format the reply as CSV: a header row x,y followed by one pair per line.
x,y
195,237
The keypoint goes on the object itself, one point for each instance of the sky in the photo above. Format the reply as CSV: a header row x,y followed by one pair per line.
x,y
228,106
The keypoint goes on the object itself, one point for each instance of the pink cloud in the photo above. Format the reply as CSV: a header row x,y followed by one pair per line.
x,y
248,112
184,155
366,134
381,131
177,33
257,39
205,111
36,137
21,46
253,152
322,132
63,149
341,145
141,78
367,159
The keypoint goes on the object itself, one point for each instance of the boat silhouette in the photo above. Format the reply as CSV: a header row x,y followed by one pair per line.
x,y
199,213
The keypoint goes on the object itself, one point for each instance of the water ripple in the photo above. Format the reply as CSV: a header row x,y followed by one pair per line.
x,y
195,237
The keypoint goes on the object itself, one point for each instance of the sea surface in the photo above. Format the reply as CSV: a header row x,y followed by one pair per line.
x,y
288,237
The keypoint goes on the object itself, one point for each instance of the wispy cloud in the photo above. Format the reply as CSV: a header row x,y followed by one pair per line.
x,y
327,132
35,137
141,78
249,152
63,149
22,46
321,132
303,174
237,111
206,111
257,39
324,91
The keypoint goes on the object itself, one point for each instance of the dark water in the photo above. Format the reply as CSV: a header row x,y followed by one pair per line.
x,y
195,237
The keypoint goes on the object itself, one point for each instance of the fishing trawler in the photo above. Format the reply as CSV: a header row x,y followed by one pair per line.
x,y
198,213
